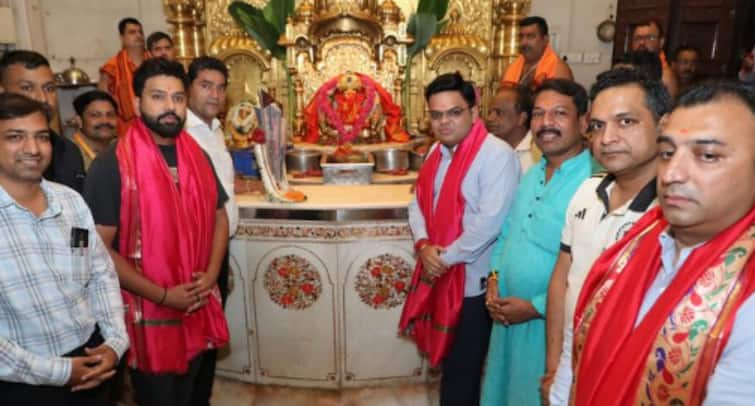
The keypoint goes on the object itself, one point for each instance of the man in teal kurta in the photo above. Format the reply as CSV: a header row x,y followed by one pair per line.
x,y
527,247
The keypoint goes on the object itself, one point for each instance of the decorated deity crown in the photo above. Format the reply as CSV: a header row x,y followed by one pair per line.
x,y
349,81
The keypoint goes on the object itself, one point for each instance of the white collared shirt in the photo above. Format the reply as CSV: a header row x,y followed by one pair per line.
x,y
526,153
590,227
213,143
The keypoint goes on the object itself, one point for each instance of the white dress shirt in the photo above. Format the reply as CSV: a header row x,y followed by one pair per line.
x,y
213,143
527,152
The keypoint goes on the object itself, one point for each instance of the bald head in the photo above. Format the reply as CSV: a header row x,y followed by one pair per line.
x,y
509,113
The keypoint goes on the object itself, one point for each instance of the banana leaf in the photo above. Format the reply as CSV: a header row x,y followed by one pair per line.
x,y
277,11
253,21
422,26
437,8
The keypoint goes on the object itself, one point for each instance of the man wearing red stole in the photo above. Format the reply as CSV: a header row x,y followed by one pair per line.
x,y
464,190
666,314
159,207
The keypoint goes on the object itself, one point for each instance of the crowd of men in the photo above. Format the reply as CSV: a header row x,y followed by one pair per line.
x,y
573,247
114,251
620,266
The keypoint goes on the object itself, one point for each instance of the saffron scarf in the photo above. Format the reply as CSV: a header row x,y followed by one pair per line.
x,y
432,307
121,70
167,235
607,367
546,68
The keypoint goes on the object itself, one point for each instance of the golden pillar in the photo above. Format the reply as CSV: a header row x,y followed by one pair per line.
x,y
506,17
187,20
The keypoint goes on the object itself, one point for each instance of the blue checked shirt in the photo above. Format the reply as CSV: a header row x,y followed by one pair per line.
x,y
51,298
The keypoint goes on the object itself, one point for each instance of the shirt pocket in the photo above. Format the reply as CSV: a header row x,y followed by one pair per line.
x,y
545,230
80,266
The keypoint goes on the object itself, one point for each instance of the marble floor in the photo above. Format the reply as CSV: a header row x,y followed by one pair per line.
x,y
227,392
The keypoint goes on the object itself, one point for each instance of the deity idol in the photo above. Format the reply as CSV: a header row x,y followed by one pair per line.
x,y
350,109
240,126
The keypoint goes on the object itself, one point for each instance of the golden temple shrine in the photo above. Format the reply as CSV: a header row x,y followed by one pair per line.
x,y
346,76
325,39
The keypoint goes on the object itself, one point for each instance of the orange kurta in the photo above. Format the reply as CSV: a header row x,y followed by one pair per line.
x,y
546,68
121,71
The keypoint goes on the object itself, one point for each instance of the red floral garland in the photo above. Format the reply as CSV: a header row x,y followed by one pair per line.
x,y
324,103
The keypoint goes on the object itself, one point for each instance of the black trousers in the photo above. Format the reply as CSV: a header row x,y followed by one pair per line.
x,y
462,367
12,393
172,389
195,387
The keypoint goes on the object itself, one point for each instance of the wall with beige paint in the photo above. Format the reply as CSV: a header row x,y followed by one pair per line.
x,y
84,29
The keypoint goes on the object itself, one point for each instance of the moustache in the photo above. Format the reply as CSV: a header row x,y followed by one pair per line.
x,y
108,126
676,189
547,130
523,49
169,114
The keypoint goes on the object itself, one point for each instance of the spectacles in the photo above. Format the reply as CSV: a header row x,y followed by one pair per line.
x,y
638,38
452,114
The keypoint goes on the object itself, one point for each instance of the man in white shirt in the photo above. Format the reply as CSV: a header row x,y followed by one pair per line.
x,y
509,119
208,78
623,129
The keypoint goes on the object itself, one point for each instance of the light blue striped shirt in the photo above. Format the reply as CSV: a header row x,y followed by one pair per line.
x,y
52,297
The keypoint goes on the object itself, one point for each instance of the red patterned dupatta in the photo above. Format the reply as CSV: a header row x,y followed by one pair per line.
x,y
671,353
178,230
432,307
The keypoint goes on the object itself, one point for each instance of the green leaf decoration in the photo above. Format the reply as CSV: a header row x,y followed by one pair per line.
x,y
277,11
254,22
717,291
411,26
424,25
696,328
437,8
733,254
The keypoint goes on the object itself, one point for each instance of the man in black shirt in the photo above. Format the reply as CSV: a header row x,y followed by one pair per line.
x,y
28,73
160,209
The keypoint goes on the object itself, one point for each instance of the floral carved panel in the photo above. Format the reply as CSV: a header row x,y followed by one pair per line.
x,y
292,282
383,281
